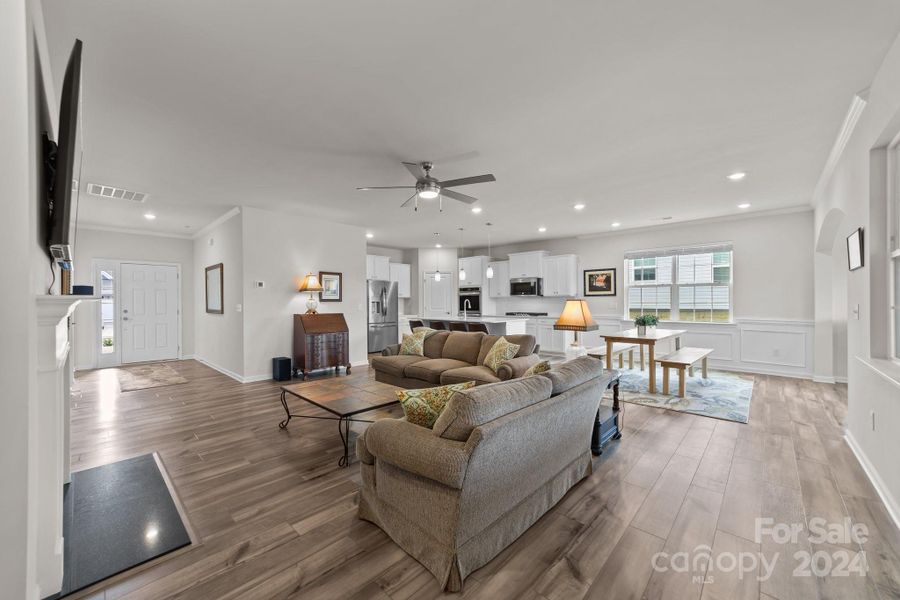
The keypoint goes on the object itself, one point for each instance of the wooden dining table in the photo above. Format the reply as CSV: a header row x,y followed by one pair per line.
x,y
649,339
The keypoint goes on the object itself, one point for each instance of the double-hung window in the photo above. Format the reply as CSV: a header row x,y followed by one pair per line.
x,y
681,284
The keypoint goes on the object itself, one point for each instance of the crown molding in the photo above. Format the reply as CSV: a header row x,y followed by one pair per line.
x,y
857,105
216,222
131,231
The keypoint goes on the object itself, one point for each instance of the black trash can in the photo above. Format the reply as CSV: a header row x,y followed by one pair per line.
x,y
281,368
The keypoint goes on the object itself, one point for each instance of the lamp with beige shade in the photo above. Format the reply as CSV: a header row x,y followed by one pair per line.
x,y
576,316
312,285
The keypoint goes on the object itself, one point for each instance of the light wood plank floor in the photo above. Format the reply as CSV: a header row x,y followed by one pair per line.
x,y
275,516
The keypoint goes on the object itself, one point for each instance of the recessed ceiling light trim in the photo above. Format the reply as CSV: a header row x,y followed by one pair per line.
x,y
744,205
736,176
150,216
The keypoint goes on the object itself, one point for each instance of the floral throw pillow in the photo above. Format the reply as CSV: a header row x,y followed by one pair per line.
x,y
537,368
423,407
501,351
413,344
428,331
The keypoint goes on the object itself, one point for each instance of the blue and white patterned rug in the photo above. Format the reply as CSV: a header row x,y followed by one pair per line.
x,y
722,396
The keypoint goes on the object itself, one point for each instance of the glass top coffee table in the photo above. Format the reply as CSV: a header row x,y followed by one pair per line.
x,y
343,399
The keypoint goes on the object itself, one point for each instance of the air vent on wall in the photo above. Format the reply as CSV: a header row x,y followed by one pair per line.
x,y
107,191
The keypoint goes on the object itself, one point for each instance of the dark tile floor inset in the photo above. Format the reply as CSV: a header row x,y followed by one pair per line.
x,y
116,517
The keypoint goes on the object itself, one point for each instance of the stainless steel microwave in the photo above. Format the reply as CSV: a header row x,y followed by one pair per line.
x,y
525,286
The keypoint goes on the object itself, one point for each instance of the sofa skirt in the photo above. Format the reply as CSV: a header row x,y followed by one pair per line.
x,y
452,565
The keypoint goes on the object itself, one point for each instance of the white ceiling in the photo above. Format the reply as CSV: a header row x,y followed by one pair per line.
x,y
638,109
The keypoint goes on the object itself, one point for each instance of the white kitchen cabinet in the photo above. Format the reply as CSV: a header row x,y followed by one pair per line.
x,y
400,273
551,340
498,286
378,267
561,275
526,264
474,266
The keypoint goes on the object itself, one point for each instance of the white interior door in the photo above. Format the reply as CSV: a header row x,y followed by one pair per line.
x,y
438,297
149,310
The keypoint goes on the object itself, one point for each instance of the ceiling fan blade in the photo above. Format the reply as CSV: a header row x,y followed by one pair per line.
x,y
468,180
416,169
408,201
386,187
458,196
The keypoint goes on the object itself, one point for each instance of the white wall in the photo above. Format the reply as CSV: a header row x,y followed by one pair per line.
x,y
873,381
280,249
96,244
219,339
771,256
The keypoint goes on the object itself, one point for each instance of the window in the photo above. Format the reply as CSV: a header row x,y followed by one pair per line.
x,y
681,284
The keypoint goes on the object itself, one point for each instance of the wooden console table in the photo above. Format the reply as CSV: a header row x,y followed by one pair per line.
x,y
321,341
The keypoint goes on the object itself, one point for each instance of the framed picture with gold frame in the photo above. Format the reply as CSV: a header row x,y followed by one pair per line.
x,y
600,282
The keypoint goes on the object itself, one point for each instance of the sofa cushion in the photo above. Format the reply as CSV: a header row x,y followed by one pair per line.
x,y
501,351
477,373
394,365
526,344
463,346
479,405
573,373
430,369
434,344
422,407
413,344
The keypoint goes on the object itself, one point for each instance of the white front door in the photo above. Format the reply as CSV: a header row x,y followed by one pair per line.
x,y
149,310
438,297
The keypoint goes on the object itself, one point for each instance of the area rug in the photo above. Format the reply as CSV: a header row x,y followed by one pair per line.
x,y
115,517
140,377
722,396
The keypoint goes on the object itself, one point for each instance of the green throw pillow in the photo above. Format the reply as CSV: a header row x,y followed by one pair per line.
x,y
413,344
424,406
500,352
537,368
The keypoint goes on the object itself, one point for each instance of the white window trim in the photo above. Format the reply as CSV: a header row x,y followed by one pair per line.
x,y
674,286
893,241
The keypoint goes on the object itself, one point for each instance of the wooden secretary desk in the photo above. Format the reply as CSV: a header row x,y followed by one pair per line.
x,y
321,341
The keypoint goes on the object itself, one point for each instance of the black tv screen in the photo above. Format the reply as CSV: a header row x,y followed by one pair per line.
x,y
62,212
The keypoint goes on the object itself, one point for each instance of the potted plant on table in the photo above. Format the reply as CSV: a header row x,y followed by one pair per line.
x,y
644,321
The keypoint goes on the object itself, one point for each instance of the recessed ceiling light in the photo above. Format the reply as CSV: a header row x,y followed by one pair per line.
x,y
737,176
744,205
438,246
579,206
542,229
616,224
149,216
476,209
370,235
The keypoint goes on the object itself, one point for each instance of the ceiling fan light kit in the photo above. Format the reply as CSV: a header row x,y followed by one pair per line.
x,y
429,188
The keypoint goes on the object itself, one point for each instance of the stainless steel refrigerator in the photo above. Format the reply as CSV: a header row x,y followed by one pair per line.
x,y
383,308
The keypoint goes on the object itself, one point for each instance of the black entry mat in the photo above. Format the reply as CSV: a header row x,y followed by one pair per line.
x,y
116,517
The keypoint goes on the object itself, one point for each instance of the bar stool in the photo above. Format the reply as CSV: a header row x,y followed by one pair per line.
x,y
477,327
457,326
413,324
439,325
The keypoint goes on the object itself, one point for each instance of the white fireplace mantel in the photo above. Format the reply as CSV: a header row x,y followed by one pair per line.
x,y
51,434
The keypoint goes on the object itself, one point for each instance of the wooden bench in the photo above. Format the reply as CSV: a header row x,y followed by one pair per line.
x,y
684,358
619,350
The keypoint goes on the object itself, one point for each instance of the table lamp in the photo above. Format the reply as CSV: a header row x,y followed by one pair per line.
x,y
575,317
311,284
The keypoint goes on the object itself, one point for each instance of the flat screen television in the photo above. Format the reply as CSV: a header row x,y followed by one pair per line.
x,y
62,191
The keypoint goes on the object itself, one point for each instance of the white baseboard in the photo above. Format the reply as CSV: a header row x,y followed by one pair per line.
x,y
725,366
254,378
823,379
363,363
889,501
188,357
840,379
222,370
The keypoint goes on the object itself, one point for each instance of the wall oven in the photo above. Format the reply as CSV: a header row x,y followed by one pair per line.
x,y
470,301
525,286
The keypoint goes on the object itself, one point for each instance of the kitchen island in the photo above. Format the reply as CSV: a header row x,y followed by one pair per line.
x,y
495,325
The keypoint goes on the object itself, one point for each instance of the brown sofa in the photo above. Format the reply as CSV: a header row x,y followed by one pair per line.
x,y
498,458
453,357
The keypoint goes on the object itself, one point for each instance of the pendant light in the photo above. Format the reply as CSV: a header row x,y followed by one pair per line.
x,y
437,257
490,270
462,249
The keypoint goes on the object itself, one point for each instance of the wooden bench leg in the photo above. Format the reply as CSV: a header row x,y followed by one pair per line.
x,y
665,390
691,370
705,374
642,357
681,381
621,360
631,359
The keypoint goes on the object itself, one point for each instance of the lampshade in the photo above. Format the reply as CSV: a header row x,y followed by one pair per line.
x,y
310,283
575,317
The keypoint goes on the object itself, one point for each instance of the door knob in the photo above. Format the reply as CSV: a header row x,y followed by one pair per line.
x,y
125,310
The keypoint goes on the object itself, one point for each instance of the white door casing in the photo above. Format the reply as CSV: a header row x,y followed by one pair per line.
x,y
438,297
149,312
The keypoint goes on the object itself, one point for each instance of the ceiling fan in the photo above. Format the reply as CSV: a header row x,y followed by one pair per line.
x,y
429,188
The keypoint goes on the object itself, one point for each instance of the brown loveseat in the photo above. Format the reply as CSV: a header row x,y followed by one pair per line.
x,y
453,357
499,457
